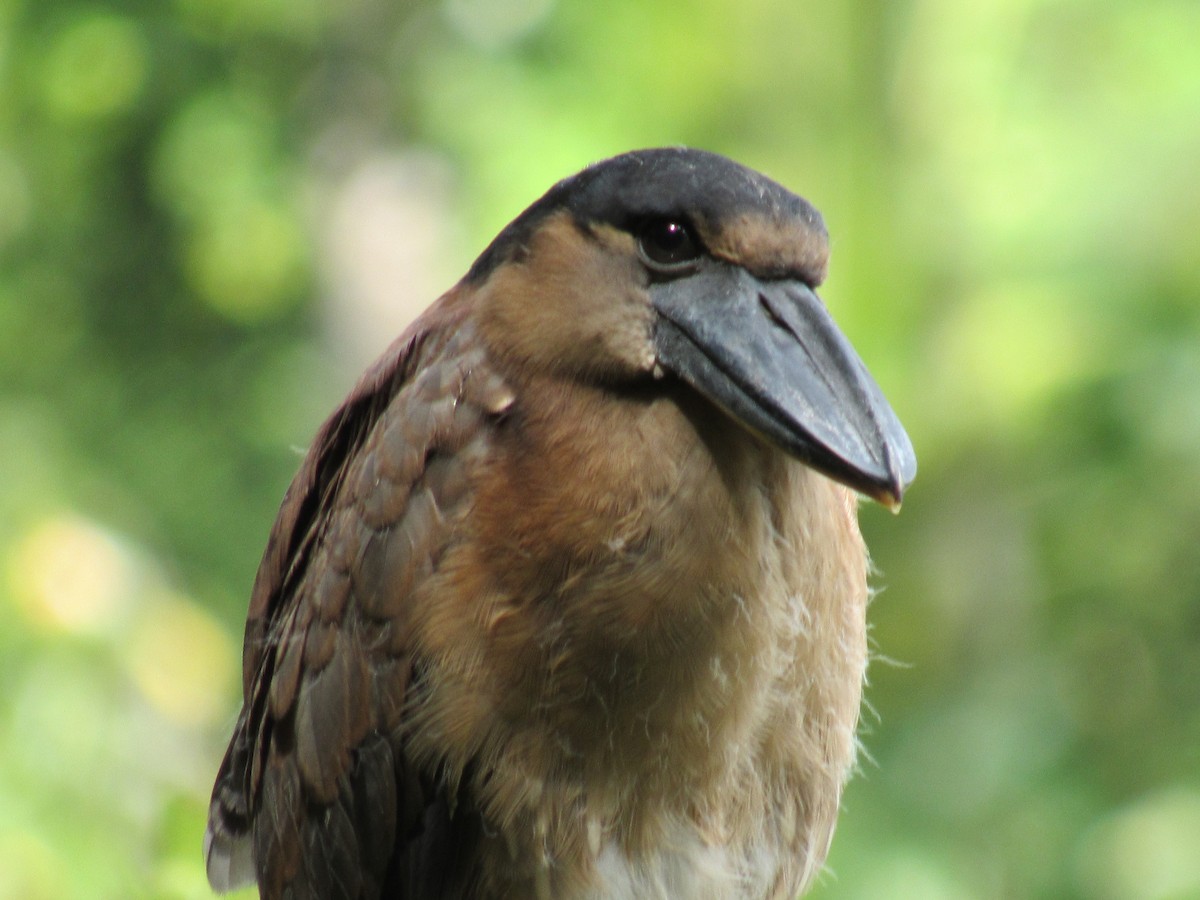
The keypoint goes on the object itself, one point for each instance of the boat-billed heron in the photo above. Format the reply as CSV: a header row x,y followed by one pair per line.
x,y
568,597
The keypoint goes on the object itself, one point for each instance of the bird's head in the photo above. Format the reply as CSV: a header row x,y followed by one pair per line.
x,y
682,263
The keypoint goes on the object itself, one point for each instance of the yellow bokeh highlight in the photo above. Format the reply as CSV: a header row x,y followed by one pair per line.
x,y
95,68
182,661
29,867
70,574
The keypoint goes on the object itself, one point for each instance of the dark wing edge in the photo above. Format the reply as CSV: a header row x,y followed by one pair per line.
x,y
228,849
314,797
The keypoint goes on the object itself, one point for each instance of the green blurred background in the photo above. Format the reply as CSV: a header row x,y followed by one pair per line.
x,y
213,213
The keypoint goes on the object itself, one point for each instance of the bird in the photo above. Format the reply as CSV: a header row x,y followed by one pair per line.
x,y
568,596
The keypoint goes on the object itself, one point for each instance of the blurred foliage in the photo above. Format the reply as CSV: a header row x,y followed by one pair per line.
x,y
212,212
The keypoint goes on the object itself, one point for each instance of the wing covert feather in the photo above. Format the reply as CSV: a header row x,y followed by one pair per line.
x,y
316,780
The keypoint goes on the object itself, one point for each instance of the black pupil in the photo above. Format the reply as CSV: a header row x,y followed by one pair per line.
x,y
668,242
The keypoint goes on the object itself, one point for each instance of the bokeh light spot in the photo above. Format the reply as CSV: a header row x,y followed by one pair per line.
x,y
216,169
95,68
214,152
29,868
71,574
248,265
182,661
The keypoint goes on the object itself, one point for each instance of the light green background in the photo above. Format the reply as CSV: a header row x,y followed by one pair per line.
x,y
214,212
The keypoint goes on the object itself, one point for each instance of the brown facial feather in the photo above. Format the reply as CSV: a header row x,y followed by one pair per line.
x,y
575,305
771,246
530,607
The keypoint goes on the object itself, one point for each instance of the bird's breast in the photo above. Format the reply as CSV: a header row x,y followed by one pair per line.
x,y
618,641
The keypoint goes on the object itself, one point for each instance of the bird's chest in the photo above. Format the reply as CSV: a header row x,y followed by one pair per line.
x,y
628,684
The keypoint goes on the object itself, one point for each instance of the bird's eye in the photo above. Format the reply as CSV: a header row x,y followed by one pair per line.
x,y
667,243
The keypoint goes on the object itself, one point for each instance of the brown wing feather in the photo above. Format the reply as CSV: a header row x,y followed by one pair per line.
x,y
316,796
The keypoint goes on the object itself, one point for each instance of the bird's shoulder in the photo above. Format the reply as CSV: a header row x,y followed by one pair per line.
x,y
388,450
